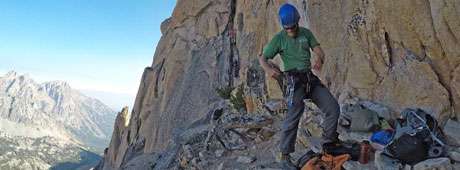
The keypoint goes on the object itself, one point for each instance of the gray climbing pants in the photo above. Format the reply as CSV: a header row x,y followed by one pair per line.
x,y
300,86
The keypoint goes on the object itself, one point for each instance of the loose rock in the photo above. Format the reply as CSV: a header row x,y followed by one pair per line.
x,y
245,159
219,152
451,130
274,105
454,155
434,164
383,162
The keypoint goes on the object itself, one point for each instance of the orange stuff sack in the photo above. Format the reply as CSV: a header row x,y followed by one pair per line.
x,y
327,162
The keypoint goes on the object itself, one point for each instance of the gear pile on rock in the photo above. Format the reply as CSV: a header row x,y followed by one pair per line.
x,y
229,139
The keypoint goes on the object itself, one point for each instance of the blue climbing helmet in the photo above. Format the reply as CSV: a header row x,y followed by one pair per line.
x,y
289,15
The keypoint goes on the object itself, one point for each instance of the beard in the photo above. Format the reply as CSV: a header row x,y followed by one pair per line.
x,y
292,33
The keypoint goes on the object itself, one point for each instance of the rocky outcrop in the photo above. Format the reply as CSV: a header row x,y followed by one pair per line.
x,y
222,136
115,153
397,53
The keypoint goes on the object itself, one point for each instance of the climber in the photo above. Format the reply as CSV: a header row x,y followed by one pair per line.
x,y
293,43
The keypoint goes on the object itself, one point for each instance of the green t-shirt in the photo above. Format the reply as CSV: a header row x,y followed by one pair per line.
x,y
295,52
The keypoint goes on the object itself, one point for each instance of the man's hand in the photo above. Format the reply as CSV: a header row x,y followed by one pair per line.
x,y
273,71
319,59
318,65
270,68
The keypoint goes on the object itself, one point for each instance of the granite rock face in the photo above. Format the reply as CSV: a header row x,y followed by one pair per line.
x,y
396,53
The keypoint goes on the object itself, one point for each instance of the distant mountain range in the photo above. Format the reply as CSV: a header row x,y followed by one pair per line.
x,y
46,124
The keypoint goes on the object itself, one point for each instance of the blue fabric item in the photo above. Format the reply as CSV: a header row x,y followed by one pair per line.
x,y
382,137
289,15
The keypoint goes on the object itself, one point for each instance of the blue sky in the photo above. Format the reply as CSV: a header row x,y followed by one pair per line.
x,y
99,46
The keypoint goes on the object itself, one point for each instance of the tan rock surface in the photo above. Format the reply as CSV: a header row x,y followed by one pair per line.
x,y
397,53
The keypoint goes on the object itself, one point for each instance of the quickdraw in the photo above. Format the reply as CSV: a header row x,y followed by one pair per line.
x,y
292,79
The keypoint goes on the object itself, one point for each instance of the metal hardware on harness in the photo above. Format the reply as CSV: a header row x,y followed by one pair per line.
x,y
293,78
291,88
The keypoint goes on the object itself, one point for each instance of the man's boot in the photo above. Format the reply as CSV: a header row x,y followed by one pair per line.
x,y
286,163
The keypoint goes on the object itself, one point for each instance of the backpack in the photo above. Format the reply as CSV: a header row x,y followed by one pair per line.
x,y
351,148
417,137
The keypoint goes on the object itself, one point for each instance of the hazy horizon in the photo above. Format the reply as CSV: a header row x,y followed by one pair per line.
x,y
99,47
115,101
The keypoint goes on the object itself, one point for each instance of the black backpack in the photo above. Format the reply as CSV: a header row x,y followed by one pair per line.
x,y
417,137
408,149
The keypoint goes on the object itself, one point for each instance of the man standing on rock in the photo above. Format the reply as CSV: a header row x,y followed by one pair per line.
x,y
293,43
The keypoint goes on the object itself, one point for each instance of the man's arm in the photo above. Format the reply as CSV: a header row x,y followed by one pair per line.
x,y
319,58
269,52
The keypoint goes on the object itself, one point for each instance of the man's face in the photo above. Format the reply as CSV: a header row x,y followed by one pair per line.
x,y
292,31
